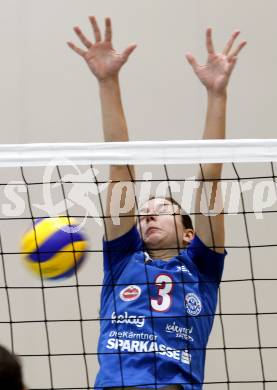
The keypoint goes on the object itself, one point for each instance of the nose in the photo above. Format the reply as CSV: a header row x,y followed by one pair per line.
x,y
151,217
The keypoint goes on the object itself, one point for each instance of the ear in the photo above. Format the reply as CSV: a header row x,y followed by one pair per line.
x,y
188,236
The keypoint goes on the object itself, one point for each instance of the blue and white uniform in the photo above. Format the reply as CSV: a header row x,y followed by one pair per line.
x,y
156,315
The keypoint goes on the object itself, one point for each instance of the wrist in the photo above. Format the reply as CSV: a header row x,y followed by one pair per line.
x,y
109,81
217,94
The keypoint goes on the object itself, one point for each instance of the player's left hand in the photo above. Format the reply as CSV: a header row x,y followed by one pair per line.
x,y
215,74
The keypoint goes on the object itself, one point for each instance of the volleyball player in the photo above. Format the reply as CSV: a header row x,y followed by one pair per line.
x,y
10,371
157,308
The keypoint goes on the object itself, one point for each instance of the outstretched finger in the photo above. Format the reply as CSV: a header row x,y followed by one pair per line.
x,y
192,61
209,41
230,43
108,30
237,50
96,29
76,49
128,51
82,37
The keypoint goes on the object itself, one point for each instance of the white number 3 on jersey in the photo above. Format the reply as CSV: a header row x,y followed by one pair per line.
x,y
164,283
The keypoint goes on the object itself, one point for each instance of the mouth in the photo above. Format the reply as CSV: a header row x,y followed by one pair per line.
x,y
151,230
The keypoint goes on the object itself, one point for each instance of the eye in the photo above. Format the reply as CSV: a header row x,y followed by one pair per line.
x,y
160,209
163,209
168,209
142,214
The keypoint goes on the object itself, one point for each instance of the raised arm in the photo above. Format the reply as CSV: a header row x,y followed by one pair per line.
x,y
105,63
214,75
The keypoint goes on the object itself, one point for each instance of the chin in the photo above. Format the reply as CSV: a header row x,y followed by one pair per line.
x,y
154,244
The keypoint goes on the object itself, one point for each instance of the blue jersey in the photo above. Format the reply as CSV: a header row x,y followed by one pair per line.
x,y
156,315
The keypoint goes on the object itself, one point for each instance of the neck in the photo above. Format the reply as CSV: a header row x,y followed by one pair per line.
x,y
163,254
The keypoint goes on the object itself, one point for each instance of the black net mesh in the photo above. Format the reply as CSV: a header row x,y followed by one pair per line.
x,y
54,325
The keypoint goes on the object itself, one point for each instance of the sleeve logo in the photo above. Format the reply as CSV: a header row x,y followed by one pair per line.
x,y
130,293
193,304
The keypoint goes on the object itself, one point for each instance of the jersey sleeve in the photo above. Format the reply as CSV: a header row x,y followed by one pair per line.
x,y
208,262
117,252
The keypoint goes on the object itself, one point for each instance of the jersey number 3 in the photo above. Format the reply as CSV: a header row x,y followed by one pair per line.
x,y
164,283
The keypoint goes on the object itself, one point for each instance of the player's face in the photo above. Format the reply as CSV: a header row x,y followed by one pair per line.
x,y
161,225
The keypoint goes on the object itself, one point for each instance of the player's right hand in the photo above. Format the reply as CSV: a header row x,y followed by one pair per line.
x,y
102,59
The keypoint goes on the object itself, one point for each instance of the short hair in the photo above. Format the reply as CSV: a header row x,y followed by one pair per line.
x,y
186,219
10,371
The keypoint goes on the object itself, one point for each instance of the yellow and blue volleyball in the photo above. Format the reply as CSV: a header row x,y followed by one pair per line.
x,y
54,248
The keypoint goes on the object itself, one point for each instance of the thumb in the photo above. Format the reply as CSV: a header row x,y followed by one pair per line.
x,y
128,51
191,60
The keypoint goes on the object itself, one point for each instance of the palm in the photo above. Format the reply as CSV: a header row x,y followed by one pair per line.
x,y
102,59
215,74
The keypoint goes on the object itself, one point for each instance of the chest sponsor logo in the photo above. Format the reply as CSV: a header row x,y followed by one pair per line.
x,y
128,319
180,332
130,293
193,304
147,346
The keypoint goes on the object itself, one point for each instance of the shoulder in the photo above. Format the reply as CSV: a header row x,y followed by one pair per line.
x,y
207,261
125,241
118,252
197,246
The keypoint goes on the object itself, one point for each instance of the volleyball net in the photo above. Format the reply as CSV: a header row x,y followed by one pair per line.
x,y
54,325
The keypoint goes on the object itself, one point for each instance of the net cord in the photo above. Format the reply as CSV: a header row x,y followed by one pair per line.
x,y
139,152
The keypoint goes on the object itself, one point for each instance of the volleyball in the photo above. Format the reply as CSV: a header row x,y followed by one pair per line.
x,y
54,248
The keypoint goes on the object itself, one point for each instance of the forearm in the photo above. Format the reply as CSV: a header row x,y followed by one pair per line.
x,y
113,119
115,130
214,129
215,126
208,195
216,116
